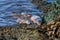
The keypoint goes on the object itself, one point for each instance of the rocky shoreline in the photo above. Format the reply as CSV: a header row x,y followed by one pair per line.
x,y
48,30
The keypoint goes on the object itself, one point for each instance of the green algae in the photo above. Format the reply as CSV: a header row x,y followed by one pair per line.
x,y
51,10
22,33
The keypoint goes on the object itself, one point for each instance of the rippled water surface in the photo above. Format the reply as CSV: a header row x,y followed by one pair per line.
x,y
9,6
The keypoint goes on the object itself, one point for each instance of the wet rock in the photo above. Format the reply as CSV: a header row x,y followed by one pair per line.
x,y
28,18
36,19
23,21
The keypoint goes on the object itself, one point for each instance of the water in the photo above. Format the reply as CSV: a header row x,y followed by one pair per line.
x,y
51,1
7,7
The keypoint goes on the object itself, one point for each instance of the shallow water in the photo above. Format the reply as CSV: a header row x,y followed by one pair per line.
x,y
51,1
7,7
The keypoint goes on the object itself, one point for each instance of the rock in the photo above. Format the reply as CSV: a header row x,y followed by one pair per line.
x,y
51,23
36,19
22,21
23,13
26,14
57,23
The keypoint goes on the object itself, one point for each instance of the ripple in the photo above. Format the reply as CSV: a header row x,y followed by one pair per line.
x,y
7,7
